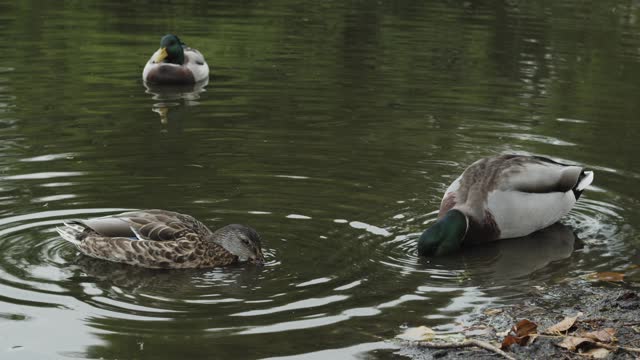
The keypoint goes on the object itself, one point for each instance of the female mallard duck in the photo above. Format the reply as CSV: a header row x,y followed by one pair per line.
x,y
162,239
174,63
503,197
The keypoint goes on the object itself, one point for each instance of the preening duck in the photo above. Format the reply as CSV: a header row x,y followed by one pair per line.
x,y
162,239
174,63
503,197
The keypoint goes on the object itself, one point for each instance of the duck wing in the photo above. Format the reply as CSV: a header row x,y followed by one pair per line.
x,y
195,62
527,174
536,174
184,252
193,55
154,225
531,193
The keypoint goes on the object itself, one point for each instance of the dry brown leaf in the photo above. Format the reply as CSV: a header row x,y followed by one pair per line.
x,y
563,325
508,341
572,342
524,328
603,335
606,276
524,334
596,353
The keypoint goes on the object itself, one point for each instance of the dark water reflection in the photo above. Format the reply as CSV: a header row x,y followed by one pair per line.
x,y
174,96
331,127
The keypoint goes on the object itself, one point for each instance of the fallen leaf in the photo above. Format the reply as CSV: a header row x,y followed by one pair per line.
x,y
508,341
563,325
524,328
606,276
636,329
603,335
596,353
572,342
420,333
492,312
524,334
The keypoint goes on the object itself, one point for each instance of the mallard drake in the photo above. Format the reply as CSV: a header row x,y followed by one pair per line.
x,y
503,197
162,239
175,63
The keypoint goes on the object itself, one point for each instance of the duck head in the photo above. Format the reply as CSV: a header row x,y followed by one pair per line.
x,y
241,241
445,236
171,50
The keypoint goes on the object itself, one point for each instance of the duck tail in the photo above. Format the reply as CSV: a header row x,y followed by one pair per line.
x,y
585,179
71,232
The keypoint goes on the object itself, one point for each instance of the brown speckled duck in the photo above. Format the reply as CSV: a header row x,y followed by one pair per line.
x,y
502,197
163,240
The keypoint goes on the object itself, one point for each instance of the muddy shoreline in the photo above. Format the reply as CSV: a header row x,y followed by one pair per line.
x,y
603,305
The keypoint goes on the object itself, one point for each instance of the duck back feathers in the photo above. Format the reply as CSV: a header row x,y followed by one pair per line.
x,y
513,195
162,239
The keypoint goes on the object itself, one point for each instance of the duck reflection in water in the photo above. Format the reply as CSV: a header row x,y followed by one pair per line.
x,y
171,96
179,280
515,258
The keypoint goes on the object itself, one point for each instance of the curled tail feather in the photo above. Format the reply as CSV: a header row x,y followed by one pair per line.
x,y
585,179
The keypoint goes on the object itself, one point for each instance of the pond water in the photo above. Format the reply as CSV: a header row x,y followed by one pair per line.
x,y
333,128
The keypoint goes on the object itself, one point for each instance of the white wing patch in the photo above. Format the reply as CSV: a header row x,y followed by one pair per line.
x,y
518,213
541,177
197,64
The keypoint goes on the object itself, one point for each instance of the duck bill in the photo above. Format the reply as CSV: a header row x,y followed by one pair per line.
x,y
161,54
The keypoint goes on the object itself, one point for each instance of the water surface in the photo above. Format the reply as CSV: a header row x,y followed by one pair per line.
x,y
333,128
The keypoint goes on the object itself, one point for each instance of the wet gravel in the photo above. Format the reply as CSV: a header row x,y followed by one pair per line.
x,y
603,305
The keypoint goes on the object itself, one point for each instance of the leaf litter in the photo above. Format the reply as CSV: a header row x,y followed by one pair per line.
x,y
564,325
596,322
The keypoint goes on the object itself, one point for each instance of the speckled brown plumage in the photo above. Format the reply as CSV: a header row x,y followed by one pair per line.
x,y
161,239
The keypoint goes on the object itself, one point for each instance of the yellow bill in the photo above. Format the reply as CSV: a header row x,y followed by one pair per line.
x,y
161,54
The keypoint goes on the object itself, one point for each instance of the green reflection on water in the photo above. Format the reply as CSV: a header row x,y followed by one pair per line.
x,y
330,110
